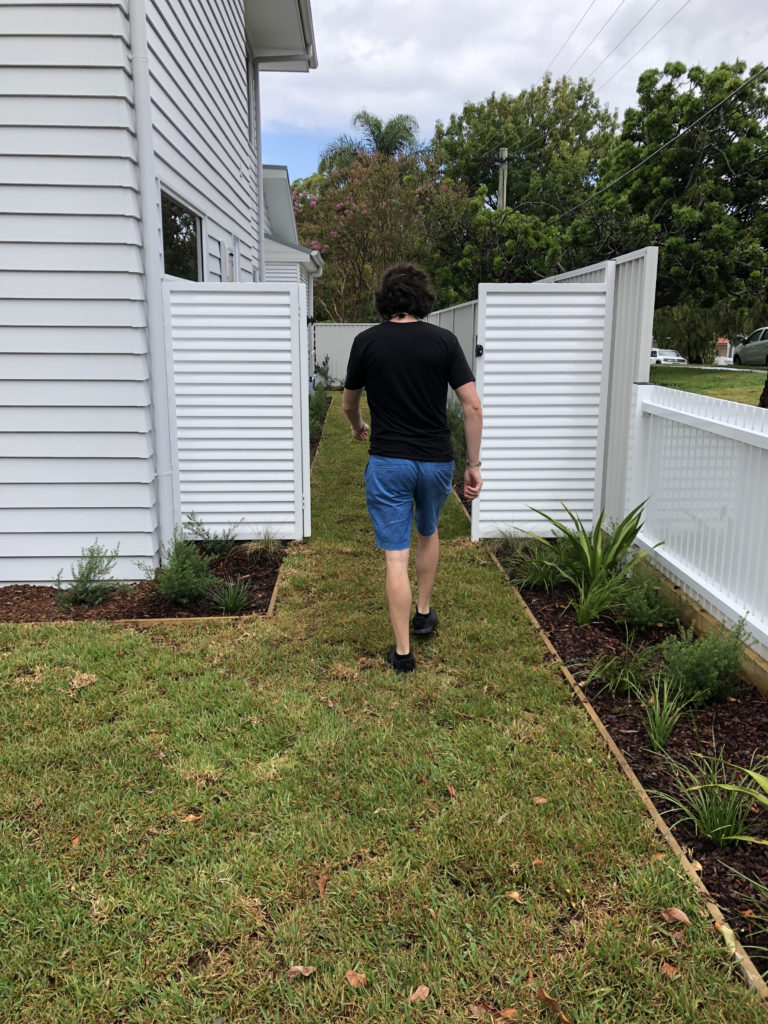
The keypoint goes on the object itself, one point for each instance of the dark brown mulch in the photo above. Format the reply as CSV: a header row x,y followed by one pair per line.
x,y
738,726
26,603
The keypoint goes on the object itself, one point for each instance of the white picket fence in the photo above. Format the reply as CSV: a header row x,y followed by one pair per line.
x,y
702,464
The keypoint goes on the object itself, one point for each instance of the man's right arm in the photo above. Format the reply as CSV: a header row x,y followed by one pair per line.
x,y
473,430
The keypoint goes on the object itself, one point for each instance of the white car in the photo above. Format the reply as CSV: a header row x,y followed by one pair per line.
x,y
753,351
667,355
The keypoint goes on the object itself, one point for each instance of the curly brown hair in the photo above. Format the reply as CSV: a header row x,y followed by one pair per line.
x,y
404,288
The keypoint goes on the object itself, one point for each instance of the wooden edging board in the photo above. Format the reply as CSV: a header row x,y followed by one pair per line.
x,y
742,962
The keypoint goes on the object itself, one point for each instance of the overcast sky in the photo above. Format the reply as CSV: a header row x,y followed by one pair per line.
x,y
428,57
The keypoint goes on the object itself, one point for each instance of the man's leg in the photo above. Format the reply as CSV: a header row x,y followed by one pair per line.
x,y
427,557
399,598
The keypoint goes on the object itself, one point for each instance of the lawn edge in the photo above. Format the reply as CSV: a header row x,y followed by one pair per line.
x,y
740,959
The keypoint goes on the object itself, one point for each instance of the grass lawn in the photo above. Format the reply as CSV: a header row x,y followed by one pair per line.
x,y
188,811
732,385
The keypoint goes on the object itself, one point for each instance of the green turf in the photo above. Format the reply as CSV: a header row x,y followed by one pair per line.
x,y
732,385
188,811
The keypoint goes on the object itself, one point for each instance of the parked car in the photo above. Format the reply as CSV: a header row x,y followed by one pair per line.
x,y
667,355
752,351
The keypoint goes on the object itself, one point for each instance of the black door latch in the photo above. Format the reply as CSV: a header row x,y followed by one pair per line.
x,y
478,350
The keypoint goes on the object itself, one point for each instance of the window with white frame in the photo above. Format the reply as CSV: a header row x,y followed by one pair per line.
x,y
182,239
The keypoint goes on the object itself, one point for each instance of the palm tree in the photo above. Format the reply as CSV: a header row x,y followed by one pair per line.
x,y
398,135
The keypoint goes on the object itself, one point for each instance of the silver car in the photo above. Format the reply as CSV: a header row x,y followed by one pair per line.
x,y
753,351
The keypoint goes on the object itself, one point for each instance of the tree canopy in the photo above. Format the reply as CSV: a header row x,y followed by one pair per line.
x,y
397,135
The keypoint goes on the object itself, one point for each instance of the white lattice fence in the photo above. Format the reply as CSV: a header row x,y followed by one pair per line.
x,y
702,463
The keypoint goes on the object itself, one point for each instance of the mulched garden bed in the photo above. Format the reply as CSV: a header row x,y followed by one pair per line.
x,y
739,727
27,603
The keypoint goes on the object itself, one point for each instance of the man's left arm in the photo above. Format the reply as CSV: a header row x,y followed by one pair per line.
x,y
350,404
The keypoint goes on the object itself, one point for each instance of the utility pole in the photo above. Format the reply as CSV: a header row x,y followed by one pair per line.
x,y
501,199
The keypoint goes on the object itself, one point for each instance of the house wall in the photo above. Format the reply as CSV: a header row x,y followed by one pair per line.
x,y
200,96
76,445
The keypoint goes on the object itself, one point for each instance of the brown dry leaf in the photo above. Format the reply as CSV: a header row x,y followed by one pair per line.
x,y
552,1003
747,913
355,980
79,681
75,841
508,1014
418,995
299,970
515,897
673,914
321,884
451,792
538,862
431,913
678,937
659,856
529,976
192,817
480,1010
668,970
696,867
539,800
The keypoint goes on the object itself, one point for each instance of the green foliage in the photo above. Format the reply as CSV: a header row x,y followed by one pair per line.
x,y
388,138
705,669
268,543
230,596
716,812
185,575
217,545
91,583
323,372
626,671
754,794
318,407
647,601
663,706
458,437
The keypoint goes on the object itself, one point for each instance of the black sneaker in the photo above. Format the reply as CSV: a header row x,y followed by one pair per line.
x,y
401,662
423,625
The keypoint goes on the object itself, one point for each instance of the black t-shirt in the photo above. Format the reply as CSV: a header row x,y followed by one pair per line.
x,y
405,369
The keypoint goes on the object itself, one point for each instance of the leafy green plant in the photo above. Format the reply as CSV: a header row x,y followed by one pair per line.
x,y
230,596
647,602
318,407
268,543
706,668
626,671
663,706
458,437
185,575
218,545
750,794
91,582
593,598
323,372
716,811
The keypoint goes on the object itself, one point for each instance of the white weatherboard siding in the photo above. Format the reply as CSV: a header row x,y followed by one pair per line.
x,y
199,89
541,382
239,363
76,448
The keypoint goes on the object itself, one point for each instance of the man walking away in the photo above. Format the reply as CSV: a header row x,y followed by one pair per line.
x,y
406,367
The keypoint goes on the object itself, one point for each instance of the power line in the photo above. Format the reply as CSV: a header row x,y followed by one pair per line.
x,y
610,52
610,18
664,145
670,19
573,30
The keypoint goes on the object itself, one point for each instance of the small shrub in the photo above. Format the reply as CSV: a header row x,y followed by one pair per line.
x,y
318,407
91,583
626,671
706,668
528,561
268,543
715,811
647,602
230,596
595,597
185,575
455,417
757,793
218,545
323,372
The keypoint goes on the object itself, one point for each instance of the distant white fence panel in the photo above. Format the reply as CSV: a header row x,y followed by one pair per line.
x,y
334,342
542,382
702,463
240,362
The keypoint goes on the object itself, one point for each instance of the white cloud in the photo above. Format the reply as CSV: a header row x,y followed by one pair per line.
x,y
428,58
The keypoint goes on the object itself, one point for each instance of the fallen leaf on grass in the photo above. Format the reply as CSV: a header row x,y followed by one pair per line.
x,y
539,800
299,970
75,841
552,1003
321,884
673,914
418,995
451,792
480,1010
659,856
355,980
192,817
538,862
678,937
668,970
508,1014
515,897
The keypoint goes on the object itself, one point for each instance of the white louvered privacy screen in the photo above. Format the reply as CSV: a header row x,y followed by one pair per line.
x,y
240,372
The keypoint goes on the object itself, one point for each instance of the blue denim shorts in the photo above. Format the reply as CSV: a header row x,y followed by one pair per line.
x,y
393,487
